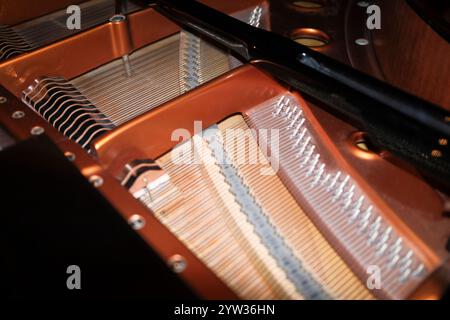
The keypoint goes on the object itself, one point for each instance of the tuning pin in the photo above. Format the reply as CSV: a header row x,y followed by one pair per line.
x,y
356,210
318,175
334,180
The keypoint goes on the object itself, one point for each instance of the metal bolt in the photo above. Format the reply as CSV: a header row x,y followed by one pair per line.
x,y
3,99
70,155
136,222
117,18
362,42
177,263
18,114
96,181
35,131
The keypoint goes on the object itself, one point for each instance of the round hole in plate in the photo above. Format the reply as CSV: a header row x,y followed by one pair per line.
x,y
363,143
310,37
307,4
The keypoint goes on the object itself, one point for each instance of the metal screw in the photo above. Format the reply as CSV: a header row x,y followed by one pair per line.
x,y
3,99
443,142
136,222
96,181
18,114
363,4
70,155
35,131
177,263
117,18
362,42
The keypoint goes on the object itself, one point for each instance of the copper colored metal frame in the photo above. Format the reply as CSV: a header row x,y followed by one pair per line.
x,y
85,51
409,200
199,278
74,56
132,140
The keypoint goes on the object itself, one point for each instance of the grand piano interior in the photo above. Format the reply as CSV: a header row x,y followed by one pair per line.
x,y
233,182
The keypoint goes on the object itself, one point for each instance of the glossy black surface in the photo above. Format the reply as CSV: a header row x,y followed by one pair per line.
x,y
52,217
436,13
